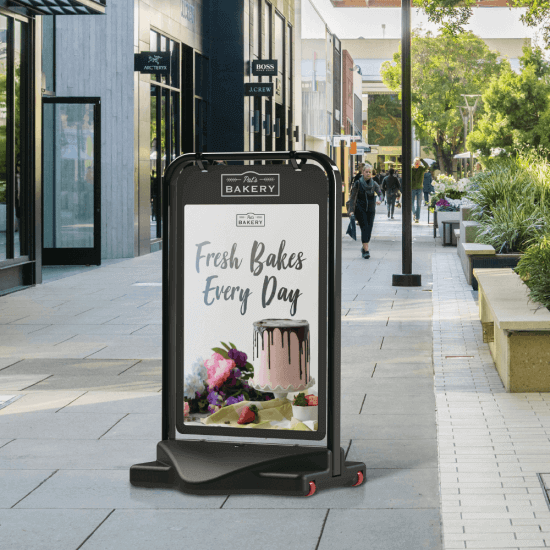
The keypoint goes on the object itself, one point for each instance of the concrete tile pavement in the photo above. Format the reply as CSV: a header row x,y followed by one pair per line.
x,y
74,434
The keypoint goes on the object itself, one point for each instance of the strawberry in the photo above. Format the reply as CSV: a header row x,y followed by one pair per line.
x,y
249,414
312,400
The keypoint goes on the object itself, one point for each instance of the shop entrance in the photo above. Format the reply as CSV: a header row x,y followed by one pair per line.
x,y
72,181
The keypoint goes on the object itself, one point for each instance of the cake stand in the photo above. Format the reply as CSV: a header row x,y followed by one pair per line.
x,y
279,391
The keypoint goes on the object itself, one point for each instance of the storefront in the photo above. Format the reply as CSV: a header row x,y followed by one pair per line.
x,y
23,79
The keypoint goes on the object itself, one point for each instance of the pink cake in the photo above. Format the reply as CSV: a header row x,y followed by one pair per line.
x,y
282,349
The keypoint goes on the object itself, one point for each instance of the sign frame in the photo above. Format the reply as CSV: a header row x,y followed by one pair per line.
x,y
210,467
152,63
258,71
261,89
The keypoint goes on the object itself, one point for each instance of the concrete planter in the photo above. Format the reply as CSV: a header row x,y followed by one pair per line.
x,y
495,261
516,329
2,218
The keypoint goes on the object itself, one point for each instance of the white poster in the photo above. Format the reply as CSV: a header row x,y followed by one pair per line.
x,y
251,280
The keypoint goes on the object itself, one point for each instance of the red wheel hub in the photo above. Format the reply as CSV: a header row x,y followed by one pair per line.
x,y
312,488
360,479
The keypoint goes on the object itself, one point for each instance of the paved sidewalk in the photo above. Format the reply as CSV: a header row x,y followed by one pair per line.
x,y
84,354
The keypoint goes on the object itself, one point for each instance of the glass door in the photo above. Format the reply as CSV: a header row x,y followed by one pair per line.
x,y
72,181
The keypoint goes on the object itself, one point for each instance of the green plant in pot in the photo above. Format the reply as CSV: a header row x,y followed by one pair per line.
x,y
534,269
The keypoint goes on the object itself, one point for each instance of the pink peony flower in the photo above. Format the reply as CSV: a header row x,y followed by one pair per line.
x,y
218,369
186,409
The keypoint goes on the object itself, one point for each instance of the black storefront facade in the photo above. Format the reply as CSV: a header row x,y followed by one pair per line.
x,y
22,82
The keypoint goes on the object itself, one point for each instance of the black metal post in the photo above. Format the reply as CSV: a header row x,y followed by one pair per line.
x,y
406,278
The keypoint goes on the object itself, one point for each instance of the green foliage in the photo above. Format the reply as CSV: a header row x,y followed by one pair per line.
x,y
443,68
534,269
384,120
300,400
517,108
454,15
511,201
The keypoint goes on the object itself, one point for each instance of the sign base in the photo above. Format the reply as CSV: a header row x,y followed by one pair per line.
x,y
230,468
406,280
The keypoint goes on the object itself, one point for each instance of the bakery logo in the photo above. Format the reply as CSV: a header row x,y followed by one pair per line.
x,y
250,220
250,184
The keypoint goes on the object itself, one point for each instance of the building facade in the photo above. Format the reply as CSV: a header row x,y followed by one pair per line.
x,y
103,133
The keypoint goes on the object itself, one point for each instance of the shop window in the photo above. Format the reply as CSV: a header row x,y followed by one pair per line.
x,y
257,31
13,140
201,102
165,136
267,31
48,54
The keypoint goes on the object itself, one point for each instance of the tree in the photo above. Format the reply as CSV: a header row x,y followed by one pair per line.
x,y
443,68
453,15
517,108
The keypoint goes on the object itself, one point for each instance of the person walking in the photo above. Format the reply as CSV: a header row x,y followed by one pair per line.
x,y
417,179
362,205
427,186
391,188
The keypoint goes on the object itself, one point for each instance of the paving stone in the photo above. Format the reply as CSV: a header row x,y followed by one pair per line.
x,y
78,454
18,382
378,402
17,485
47,529
391,370
115,402
75,489
93,382
41,401
69,367
385,426
362,529
143,529
389,454
39,425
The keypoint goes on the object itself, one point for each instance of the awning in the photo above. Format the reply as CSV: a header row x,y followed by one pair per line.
x,y
63,7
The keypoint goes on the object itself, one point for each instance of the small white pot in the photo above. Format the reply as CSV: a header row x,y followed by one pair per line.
x,y
305,413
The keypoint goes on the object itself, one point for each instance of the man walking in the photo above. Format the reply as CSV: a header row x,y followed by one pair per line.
x,y
417,181
428,187
390,188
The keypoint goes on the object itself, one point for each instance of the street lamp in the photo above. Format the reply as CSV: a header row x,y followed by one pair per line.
x,y
470,109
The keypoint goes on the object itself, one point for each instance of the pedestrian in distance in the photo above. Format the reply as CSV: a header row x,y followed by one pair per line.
x,y
427,186
358,174
391,188
417,180
362,205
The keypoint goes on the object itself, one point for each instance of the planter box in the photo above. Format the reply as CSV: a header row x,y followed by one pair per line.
x,y
495,261
517,331
440,217
3,222
467,252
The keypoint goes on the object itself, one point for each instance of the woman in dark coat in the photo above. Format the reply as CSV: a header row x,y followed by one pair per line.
x,y
362,204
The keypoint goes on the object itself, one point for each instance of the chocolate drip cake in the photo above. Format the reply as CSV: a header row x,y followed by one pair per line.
x,y
283,350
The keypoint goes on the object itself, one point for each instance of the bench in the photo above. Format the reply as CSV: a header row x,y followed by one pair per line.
x,y
467,251
517,330
447,228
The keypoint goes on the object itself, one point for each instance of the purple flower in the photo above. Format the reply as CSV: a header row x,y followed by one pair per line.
x,y
214,398
268,398
239,357
233,400
442,202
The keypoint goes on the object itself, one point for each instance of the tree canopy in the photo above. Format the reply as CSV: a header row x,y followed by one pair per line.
x,y
443,68
517,108
453,15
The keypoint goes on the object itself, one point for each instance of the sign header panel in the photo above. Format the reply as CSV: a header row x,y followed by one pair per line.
x,y
259,89
264,67
152,62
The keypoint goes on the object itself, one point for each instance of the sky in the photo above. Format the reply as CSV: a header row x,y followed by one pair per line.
x,y
367,22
